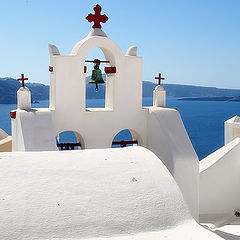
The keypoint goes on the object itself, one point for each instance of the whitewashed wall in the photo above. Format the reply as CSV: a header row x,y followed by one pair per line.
x,y
232,129
220,182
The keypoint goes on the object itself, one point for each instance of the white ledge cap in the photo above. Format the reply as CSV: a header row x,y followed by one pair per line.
x,y
132,51
159,88
235,119
23,89
3,134
97,32
53,50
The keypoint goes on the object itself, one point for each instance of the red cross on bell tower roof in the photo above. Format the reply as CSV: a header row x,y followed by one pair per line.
x,y
97,18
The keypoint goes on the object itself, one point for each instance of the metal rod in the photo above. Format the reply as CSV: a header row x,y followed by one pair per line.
x,y
124,143
68,146
99,60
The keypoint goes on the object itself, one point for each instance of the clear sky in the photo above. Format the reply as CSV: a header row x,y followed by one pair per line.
x,y
189,41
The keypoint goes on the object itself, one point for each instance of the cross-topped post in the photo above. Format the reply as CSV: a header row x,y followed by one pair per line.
x,y
97,18
159,78
22,79
23,95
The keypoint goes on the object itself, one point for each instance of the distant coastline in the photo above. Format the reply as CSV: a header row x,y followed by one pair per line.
x,y
223,99
9,87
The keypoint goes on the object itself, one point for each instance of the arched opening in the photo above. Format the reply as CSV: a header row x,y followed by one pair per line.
x,y
126,138
69,140
95,98
103,98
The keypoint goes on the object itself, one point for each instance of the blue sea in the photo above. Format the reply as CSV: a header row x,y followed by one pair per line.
x,y
203,120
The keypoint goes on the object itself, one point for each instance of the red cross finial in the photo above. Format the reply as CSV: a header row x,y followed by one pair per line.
x,y
97,17
159,78
22,79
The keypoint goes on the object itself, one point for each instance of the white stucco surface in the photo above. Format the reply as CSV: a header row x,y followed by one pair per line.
x,y
132,51
33,130
3,134
24,98
114,193
97,32
228,231
220,184
232,129
168,139
159,97
6,144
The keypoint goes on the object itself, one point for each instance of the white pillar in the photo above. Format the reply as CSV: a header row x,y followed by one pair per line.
x,y
228,130
24,98
232,129
159,97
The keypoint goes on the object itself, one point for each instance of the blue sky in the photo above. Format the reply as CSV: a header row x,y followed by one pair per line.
x,y
188,41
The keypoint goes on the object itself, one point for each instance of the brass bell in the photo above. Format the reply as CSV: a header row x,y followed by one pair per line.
x,y
96,74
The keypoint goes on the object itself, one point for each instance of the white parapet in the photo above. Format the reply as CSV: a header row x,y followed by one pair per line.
x,y
159,97
24,98
33,131
232,129
6,144
5,141
3,134
168,139
220,184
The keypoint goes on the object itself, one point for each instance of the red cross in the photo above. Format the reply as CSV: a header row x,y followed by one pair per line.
x,y
97,17
22,79
159,78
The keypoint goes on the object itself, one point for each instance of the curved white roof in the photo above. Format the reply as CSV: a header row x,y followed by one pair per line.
x,y
88,194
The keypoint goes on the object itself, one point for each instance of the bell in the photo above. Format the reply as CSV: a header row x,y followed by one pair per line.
x,y
96,74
